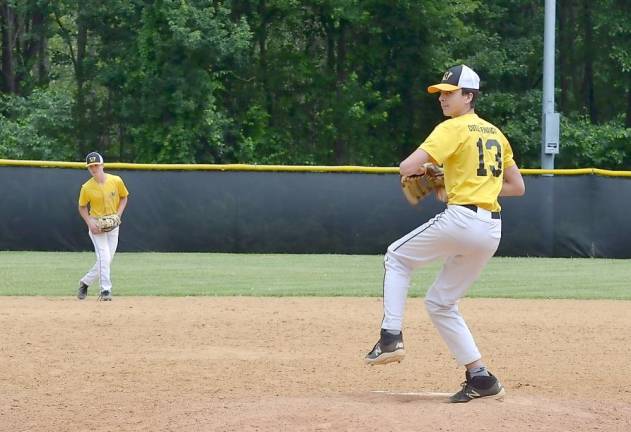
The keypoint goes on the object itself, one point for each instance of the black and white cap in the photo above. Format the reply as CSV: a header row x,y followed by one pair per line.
x,y
461,76
93,158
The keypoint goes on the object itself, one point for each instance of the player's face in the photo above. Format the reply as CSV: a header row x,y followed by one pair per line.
x,y
454,103
95,169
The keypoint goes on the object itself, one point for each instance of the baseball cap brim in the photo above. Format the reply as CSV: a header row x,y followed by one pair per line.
x,y
441,87
94,163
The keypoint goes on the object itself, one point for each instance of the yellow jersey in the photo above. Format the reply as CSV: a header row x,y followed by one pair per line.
x,y
474,154
103,198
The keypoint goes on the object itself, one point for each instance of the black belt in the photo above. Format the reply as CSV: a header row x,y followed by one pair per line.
x,y
474,208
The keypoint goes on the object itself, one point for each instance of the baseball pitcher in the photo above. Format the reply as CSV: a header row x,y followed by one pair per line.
x,y
102,201
478,166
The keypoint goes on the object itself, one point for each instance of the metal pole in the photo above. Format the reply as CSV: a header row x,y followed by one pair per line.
x,y
549,128
550,119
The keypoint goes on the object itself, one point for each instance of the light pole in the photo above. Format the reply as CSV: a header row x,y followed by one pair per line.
x,y
550,118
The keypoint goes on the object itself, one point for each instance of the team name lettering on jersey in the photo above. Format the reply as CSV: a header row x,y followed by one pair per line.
x,y
483,129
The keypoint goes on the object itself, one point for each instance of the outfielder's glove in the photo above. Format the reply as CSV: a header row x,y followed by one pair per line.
x,y
417,187
108,223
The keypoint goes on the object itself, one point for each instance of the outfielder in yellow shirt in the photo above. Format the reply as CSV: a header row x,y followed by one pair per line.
x,y
104,198
104,194
479,166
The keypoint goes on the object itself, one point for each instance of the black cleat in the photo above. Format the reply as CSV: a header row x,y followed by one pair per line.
x,y
82,292
479,387
389,349
105,296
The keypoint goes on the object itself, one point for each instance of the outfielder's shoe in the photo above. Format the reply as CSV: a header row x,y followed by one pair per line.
x,y
479,387
105,296
82,292
389,349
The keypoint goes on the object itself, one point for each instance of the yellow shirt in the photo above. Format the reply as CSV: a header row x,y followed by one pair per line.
x,y
103,198
474,154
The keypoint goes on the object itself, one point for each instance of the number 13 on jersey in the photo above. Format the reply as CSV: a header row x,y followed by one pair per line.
x,y
489,145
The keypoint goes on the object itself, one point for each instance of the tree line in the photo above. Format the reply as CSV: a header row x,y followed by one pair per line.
x,y
302,82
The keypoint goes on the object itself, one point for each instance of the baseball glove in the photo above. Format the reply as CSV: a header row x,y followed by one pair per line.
x,y
108,223
417,187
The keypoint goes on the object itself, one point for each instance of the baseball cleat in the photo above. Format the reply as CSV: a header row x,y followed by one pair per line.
x,y
82,292
105,296
479,387
388,349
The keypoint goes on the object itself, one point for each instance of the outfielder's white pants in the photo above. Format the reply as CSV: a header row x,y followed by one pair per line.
x,y
464,241
105,245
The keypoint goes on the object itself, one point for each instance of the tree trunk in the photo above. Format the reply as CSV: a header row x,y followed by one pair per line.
x,y
261,36
43,64
8,23
628,118
340,149
335,67
80,115
31,50
565,31
38,48
588,83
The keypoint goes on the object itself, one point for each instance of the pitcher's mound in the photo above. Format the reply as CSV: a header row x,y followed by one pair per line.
x,y
420,411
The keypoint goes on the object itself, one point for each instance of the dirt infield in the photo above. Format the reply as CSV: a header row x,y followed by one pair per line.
x,y
295,364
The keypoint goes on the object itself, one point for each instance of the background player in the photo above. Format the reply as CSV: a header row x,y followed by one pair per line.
x,y
479,166
105,194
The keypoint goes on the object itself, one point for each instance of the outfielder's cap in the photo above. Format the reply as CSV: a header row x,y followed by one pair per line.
x,y
93,159
461,76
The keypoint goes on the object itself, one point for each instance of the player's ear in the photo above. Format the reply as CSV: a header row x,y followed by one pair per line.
x,y
470,95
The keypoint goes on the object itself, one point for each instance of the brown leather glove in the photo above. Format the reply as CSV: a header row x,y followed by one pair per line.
x,y
417,187
108,223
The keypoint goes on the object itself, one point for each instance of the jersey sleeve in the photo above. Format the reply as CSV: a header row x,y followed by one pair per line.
x,y
122,189
441,143
508,160
83,197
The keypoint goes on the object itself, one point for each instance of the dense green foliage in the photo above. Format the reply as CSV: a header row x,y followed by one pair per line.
x,y
201,274
301,82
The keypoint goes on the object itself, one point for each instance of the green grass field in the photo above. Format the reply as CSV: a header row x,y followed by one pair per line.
x,y
201,274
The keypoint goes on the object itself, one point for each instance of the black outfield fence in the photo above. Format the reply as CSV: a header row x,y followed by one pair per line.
x,y
301,210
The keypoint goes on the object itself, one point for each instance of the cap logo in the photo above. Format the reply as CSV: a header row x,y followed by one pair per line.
x,y
447,75
92,159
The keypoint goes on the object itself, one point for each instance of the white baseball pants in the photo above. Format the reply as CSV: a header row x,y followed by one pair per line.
x,y
105,245
465,241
